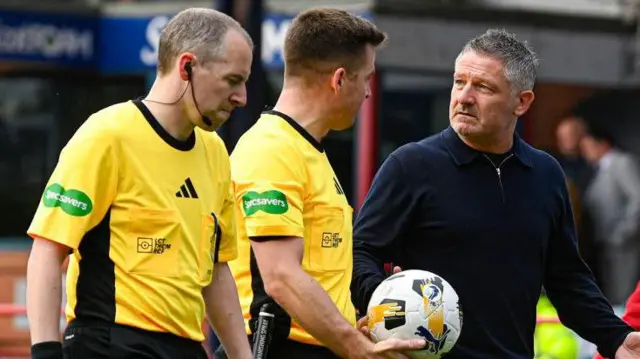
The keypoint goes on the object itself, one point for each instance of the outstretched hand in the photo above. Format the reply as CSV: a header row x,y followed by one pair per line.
x,y
630,348
391,348
394,347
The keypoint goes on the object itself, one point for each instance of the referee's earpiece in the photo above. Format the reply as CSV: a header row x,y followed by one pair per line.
x,y
205,119
187,69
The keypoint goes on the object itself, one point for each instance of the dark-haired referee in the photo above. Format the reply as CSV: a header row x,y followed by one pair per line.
x,y
141,196
294,221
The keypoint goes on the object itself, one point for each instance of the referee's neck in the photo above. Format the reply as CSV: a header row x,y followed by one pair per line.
x,y
306,109
166,102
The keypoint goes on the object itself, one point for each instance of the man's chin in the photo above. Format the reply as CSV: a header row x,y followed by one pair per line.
x,y
465,128
215,122
344,125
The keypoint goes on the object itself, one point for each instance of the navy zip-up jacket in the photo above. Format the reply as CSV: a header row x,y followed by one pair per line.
x,y
497,232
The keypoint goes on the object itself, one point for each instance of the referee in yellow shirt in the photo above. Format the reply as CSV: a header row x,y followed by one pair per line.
x,y
294,221
141,198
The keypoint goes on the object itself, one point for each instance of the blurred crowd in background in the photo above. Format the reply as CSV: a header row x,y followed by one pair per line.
x,y
61,60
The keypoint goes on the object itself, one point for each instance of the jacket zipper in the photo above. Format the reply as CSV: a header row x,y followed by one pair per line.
x,y
499,172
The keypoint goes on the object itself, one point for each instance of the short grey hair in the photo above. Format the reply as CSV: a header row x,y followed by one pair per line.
x,y
198,30
518,58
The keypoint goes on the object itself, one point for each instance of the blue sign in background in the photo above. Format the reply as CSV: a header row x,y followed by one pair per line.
x,y
130,44
123,44
51,38
274,28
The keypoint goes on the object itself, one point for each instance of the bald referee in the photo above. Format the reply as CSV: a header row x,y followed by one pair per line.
x,y
141,198
294,221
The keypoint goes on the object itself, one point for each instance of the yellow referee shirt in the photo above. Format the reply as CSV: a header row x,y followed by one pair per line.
x,y
146,216
285,186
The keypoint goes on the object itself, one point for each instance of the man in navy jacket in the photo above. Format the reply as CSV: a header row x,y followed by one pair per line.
x,y
489,213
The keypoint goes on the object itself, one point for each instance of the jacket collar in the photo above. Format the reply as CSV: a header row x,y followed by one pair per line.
x,y
463,154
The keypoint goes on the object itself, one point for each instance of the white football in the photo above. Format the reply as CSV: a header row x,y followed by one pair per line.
x,y
416,304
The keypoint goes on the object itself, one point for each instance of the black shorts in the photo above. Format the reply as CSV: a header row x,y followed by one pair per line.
x,y
112,341
288,349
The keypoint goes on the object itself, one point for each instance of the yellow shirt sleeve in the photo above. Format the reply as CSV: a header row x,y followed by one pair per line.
x,y
80,189
228,249
269,180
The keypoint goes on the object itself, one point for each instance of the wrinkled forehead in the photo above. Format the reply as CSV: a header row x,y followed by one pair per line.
x,y
471,63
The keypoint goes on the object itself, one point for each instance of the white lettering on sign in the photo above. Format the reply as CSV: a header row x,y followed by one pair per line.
x,y
273,34
46,40
149,52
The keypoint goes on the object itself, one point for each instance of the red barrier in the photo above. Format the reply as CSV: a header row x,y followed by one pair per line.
x,y
14,331
11,310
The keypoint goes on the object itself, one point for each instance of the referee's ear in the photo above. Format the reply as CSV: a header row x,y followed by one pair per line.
x,y
337,79
185,65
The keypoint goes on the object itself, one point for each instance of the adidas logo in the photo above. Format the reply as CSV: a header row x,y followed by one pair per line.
x,y
338,187
187,190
